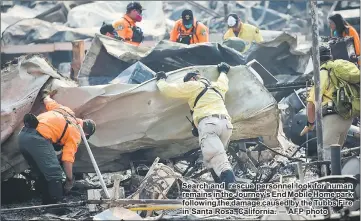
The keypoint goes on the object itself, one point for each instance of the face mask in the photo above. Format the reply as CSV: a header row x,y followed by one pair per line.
x,y
188,26
138,18
335,33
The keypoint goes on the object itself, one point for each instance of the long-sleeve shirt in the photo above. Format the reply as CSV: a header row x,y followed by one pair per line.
x,y
210,103
123,28
51,126
200,32
248,33
326,89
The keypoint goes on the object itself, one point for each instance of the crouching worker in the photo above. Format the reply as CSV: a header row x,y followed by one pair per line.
x,y
125,29
55,129
212,123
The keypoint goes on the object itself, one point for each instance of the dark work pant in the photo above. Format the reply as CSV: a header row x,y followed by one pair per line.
x,y
42,159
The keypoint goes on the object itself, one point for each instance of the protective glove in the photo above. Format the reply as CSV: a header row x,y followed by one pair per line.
x,y
68,185
308,128
161,75
223,67
354,58
47,92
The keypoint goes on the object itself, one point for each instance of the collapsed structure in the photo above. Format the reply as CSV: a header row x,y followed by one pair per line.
x,y
116,88
131,118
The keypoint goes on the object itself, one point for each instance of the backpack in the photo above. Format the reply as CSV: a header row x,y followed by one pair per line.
x,y
345,76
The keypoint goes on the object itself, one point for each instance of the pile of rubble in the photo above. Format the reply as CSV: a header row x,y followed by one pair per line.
x,y
158,192
145,162
127,78
64,21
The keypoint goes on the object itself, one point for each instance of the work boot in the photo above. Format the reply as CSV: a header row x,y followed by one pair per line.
x,y
228,177
54,196
215,177
53,193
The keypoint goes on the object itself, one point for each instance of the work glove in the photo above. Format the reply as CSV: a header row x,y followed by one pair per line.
x,y
47,92
68,185
308,128
223,67
354,58
161,75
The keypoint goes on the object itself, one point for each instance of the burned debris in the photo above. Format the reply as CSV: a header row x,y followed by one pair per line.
x,y
144,162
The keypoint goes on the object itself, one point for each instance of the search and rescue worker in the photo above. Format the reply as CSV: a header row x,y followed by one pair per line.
x,y
125,28
248,33
54,130
210,116
341,28
335,128
189,31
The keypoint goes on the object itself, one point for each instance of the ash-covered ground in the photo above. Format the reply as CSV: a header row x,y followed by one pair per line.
x,y
268,172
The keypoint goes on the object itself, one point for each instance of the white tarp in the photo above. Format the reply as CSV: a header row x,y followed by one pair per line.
x,y
132,117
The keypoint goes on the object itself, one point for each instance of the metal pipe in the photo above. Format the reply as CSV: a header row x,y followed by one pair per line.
x,y
127,202
350,149
95,165
316,73
335,159
300,171
45,206
307,152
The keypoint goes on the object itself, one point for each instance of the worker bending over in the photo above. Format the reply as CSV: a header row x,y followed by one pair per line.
x,y
125,29
210,116
336,121
189,31
340,28
56,129
248,33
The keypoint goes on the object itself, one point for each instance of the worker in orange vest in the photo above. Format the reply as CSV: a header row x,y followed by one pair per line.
x,y
341,28
189,31
125,28
40,138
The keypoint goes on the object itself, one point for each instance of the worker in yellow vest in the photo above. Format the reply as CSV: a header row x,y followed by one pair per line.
x,y
248,33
